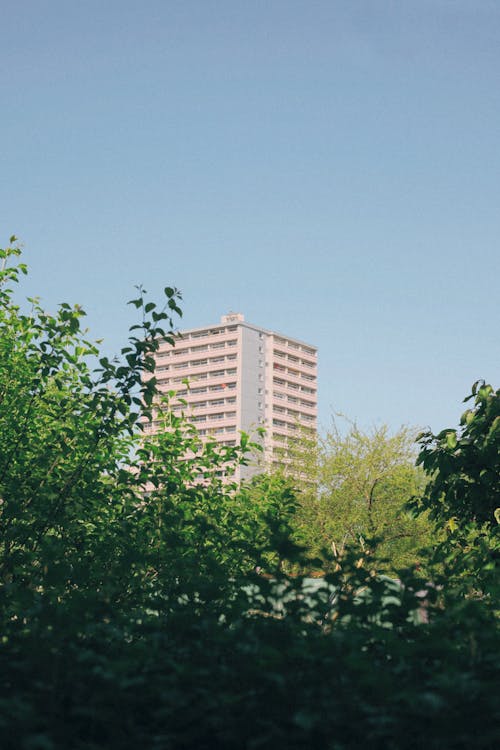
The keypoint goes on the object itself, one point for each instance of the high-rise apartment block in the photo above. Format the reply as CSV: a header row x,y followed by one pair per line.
x,y
241,377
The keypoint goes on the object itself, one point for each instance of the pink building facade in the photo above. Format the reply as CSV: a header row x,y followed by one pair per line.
x,y
241,377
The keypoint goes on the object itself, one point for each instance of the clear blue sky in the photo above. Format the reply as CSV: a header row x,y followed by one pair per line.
x,y
339,159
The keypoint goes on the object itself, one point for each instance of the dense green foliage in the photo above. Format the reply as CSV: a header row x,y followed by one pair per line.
x,y
130,609
353,489
466,462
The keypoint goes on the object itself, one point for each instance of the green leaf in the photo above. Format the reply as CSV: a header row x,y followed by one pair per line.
x,y
451,440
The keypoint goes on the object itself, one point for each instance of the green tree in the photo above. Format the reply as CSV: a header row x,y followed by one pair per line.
x,y
465,464
364,481
463,498
91,506
271,504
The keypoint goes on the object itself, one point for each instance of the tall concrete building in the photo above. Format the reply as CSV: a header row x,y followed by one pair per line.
x,y
241,377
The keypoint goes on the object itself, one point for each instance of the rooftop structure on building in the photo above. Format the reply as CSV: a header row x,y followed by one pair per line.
x,y
241,377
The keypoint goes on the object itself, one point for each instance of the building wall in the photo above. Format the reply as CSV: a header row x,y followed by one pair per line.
x,y
251,383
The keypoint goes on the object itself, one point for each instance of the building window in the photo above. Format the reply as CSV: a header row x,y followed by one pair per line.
x,y
305,389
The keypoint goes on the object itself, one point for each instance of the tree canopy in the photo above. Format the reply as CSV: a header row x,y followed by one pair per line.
x,y
145,601
353,490
465,463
